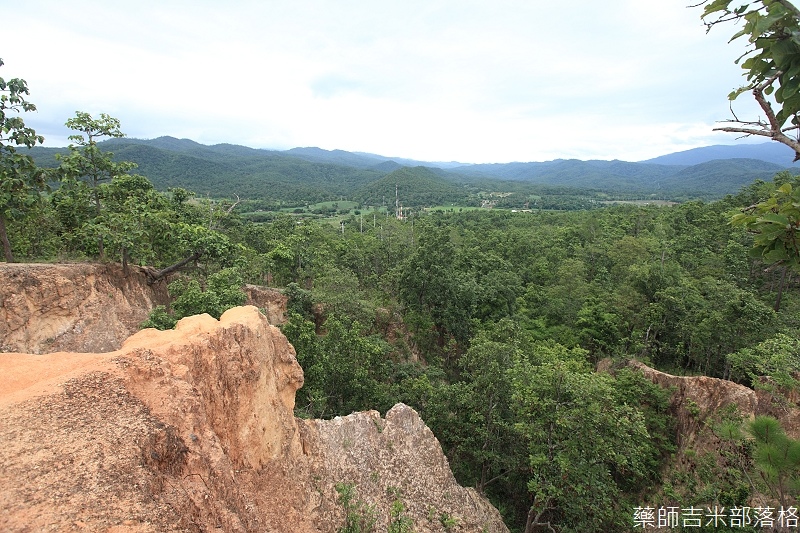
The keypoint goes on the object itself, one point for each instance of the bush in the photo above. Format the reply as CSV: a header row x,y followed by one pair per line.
x,y
223,290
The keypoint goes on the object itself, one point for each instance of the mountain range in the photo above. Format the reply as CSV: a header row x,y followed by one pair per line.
x,y
308,175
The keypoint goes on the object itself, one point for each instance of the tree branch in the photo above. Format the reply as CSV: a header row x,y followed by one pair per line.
x,y
789,7
772,128
155,276
215,225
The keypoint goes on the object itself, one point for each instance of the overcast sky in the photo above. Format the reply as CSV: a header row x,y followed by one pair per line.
x,y
437,80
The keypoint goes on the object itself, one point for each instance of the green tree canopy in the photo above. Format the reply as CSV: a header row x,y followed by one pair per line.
x,y
20,179
775,224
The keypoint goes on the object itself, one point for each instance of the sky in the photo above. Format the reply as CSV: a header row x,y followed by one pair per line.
x,y
435,80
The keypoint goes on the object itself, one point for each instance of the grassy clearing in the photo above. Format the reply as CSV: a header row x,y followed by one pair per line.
x,y
456,208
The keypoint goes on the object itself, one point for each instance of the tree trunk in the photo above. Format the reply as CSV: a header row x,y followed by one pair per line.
x,y
125,260
172,268
4,237
780,289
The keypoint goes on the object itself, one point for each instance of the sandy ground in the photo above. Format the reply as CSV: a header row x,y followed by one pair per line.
x,y
25,376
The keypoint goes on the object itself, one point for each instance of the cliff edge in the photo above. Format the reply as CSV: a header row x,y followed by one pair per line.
x,y
193,430
88,307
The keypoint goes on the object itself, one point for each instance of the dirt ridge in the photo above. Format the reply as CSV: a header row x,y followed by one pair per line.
x,y
193,430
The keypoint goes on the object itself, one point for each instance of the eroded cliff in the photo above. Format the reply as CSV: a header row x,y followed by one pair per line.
x,y
193,430
88,307
78,307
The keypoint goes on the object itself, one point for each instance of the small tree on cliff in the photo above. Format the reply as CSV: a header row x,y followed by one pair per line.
x,y
88,162
222,291
777,458
20,179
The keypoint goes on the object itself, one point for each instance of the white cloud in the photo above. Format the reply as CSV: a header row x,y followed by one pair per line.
x,y
476,81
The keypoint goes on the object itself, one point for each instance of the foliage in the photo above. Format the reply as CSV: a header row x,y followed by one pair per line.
x,y
557,398
20,179
222,291
399,522
777,359
345,370
86,160
771,65
359,517
775,222
777,458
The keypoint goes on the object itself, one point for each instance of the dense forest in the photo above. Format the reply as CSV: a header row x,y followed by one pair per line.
x,y
489,322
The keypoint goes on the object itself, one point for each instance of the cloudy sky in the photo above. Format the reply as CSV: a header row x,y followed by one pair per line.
x,y
437,80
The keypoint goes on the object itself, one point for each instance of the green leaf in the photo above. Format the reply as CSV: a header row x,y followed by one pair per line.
x,y
776,218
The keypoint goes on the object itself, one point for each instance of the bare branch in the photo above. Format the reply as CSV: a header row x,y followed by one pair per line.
x,y
772,127
231,208
746,131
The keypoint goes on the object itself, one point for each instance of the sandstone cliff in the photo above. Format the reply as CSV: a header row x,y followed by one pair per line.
x,y
87,307
699,401
705,465
193,430
77,307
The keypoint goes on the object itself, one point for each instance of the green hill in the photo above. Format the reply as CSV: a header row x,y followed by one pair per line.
x,y
308,175
416,187
224,170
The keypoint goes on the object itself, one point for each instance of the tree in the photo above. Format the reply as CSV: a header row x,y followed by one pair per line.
x,y
473,417
776,457
222,291
87,162
772,65
344,370
137,222
775,224
585,442
20,179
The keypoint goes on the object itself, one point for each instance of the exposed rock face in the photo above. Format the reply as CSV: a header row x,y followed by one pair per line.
x,y
193,430
76,307
395,457
86,307
271,302
698,400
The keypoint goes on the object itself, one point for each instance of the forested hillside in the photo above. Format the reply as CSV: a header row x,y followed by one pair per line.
x,y
418,186
222,169
303,176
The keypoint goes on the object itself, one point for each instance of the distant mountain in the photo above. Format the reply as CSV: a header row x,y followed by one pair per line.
x,y
771,152
415,162
307,175
336,157
708,180
719,176
387,166
224,170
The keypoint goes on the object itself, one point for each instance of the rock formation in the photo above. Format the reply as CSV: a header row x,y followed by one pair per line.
x,y
88,307
193,430
698,401
78,307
